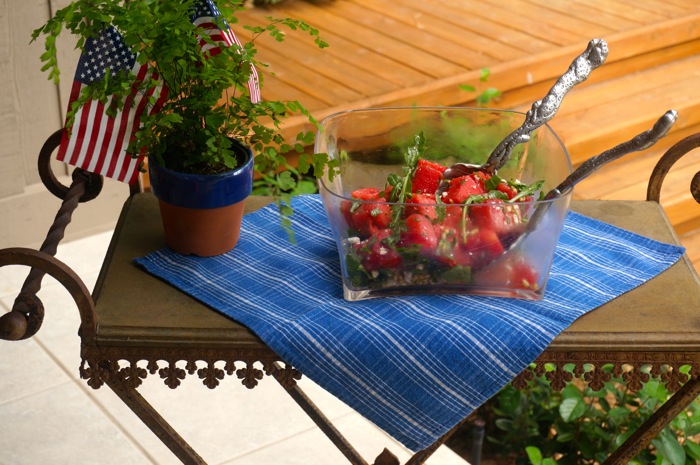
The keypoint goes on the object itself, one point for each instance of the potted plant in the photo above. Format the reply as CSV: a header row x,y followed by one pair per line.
x,y
193,89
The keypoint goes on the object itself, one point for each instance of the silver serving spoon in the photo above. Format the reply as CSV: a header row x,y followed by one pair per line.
x,y
639,142
542,111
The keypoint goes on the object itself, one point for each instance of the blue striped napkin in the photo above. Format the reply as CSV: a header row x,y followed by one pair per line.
x,y
416,365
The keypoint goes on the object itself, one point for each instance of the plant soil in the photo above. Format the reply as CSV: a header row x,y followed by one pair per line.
x,y
203,168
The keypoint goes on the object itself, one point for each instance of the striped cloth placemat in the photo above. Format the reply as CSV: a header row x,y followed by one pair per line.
x,y
413,365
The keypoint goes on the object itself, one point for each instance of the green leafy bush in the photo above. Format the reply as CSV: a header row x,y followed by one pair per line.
x,y
540,426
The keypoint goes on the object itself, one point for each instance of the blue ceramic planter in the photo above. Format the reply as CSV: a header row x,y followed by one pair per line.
x,y
202,214
202,190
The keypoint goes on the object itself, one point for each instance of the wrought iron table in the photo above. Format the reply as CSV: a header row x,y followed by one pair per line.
x,y
135,325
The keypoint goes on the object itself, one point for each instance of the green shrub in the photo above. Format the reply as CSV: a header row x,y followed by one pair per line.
x,y
576,426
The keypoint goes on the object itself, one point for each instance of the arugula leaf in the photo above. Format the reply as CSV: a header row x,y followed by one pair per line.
x,y
356,272
458,274
492,183
393,180
528,190
481,198
402,184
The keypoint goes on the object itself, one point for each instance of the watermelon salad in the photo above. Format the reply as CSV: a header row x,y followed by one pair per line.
x,y
410,233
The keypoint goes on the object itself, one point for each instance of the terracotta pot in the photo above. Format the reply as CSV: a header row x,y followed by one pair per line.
x,y
202,213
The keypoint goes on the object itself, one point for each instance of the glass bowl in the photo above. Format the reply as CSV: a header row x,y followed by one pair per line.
x,y
398,237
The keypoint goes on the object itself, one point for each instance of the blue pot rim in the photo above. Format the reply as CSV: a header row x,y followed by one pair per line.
x,y
203,190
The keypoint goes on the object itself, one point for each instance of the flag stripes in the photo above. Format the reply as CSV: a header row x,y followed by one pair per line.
x,y
97,142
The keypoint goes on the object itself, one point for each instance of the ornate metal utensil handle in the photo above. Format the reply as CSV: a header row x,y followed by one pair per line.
x,y
640,142
543,110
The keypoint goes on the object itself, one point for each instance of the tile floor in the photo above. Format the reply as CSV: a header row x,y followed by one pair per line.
x,y
49,416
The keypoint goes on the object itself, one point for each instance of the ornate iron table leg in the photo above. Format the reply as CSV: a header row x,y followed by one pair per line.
x,y
420,457
654,424
322,421
156,423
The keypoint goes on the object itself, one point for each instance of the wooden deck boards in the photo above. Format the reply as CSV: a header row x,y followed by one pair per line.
x,y
414,43
419,52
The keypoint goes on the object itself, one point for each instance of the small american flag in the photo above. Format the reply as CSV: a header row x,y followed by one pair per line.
x,y
210,23
98,142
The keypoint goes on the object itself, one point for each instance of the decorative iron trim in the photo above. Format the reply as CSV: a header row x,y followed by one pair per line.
x,y
130,366
634,368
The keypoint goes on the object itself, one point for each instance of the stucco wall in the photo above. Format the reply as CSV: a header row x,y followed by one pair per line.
x,y
31,109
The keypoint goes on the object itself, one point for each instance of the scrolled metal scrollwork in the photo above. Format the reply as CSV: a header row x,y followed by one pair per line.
x,y
93,182
27,313
28,307
663,166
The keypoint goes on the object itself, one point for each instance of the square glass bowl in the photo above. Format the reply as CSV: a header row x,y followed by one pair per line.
x,y
391,244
